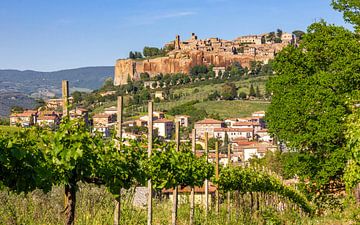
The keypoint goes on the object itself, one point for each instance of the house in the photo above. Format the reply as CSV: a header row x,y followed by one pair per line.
x,y
184,194
230,121
217,70
183,119
111,110
24,119
160,95
263,135
48,120
156,115
107,93
164,127
141,122
257,149
207,125
105,130
57,103
79,113
258,114
233,133
103,119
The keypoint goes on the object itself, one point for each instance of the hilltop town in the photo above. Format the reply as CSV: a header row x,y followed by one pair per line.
x,y
181,56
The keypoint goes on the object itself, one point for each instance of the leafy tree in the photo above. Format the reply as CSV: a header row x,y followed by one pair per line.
x,y
212,142
229,91
131,55
145,76
242,95
17,109
309,103
258,93
299,34
279,33
198,69
214,96
350,9
252,92
154,84
77,96
152,51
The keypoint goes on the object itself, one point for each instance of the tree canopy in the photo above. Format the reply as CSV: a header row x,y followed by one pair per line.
x,y
350,9
310,94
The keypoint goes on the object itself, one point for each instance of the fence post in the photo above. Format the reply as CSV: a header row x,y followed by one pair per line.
x,y
117,210
175,192
150,142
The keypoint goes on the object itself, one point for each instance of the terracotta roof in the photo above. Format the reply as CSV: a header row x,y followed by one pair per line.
x,y
101,115
262,131
209,121
24,114
233,129
46,118
162,121
245,124
243,143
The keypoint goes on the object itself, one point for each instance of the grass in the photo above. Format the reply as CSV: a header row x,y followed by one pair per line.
x,y
200,92
231,109
95,206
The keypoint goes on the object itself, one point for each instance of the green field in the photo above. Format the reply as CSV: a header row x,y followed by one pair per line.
x,y
236,108
225,109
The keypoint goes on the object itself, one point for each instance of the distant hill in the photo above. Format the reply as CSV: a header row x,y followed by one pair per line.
x,y
17,86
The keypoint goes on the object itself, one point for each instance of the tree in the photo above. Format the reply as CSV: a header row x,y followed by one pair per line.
x,y
17,109
242,95
350,9
131,55
310,93
258,93
252,92
279,33
212,141
298,34
152,51
144,76
228,91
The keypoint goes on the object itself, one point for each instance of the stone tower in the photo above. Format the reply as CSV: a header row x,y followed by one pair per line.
x,y
177,42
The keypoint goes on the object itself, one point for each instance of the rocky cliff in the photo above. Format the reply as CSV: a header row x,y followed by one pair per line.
x,y
186,54
177,62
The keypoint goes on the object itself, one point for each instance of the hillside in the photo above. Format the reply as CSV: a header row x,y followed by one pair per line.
x,y
20,88
42,84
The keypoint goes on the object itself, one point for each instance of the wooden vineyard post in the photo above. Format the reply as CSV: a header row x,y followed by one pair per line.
x,y
228,193
175,192
70,189
117,210
217,203
206,180
65,97
192,195
150,141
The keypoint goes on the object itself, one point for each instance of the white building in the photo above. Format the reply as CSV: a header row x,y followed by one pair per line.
x,y
164,127
183,119
234,133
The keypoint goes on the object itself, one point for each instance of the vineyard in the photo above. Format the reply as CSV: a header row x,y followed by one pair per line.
x,y
40,162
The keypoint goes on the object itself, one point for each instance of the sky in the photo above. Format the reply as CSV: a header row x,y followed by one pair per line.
x,y
49,35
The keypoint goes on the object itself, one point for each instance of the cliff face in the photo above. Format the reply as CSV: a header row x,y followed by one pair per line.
x,y
175,62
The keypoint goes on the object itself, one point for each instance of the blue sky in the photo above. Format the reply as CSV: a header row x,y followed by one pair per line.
x,y
48,35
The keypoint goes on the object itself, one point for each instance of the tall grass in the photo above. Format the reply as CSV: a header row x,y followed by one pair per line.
x,y
95,206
